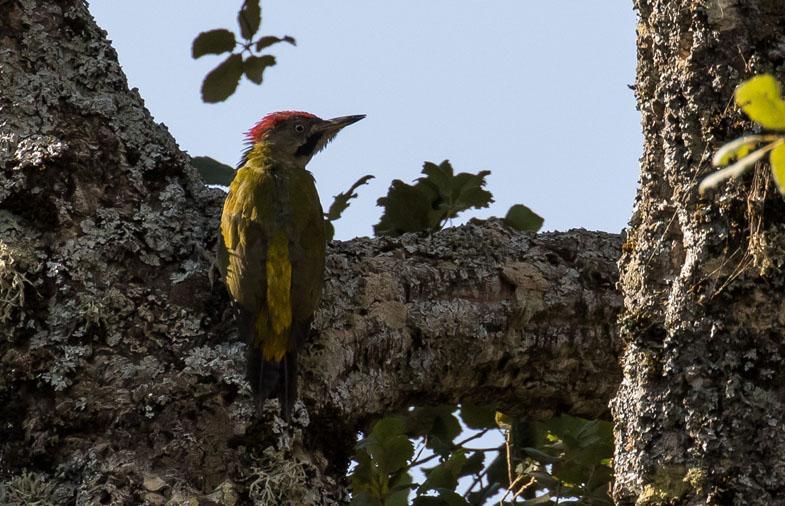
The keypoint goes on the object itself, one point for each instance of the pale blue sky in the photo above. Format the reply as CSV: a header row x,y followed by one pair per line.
x,y
536,92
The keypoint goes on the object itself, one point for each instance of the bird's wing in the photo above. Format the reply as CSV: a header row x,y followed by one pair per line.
x,y
308,257
242,251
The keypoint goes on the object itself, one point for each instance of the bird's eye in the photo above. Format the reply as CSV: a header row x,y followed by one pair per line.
x,y
299,128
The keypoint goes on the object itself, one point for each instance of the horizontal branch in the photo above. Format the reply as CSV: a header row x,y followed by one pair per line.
x,y
472,313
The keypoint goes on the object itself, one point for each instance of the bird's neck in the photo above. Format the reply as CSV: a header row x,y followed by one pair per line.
x,y
265,158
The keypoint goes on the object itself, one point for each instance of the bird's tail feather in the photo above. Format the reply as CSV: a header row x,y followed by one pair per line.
x,y
270,379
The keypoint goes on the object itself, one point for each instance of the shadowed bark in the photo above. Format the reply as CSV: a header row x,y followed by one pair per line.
x,y
121,376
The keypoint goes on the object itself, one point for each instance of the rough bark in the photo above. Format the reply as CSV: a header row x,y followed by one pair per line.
x,y
121,375
700,411
472,313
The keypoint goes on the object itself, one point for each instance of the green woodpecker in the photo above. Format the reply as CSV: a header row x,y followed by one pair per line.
x,y
272,246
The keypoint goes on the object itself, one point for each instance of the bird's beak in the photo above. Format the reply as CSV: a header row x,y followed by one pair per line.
x,y
322,133
332,126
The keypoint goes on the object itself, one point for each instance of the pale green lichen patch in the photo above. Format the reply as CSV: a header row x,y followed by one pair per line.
x,y
12,284
669,484
28,489
697,477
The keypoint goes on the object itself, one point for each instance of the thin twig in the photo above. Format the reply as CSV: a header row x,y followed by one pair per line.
x,y
509,457
477,480
452,448
523,488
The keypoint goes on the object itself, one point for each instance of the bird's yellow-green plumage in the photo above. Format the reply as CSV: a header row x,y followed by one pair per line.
x,y
277,321
268,209
272,246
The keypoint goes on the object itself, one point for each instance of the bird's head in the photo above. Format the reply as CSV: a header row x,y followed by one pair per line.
x,y
292,137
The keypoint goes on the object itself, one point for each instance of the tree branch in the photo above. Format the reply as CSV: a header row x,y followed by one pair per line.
x,y
471,313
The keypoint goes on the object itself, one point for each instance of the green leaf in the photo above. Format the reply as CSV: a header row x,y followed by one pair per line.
x,y
438,424
439,176
451,498
439,477
420,420
365,499
425,500
735,170
474,464
249,18
777,159
525,433
503,421
406,209
478,417
468,192
387,445
524,219
213,171
392,454
545,479
455,192
222,81
761,98
497,470
388,427
445,475
254,67
341,201
269,40
580,433
363,475
444,430
736,150
213,42
400,488
586,446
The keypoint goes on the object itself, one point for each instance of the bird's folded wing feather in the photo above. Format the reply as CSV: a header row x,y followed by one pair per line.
x,y
242,249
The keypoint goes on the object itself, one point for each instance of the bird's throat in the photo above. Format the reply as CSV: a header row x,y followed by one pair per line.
x,y
309,148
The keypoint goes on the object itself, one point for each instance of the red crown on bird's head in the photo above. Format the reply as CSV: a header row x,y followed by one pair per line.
x,y
272,120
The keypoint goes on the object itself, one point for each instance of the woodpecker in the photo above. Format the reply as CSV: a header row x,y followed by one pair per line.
x,y
272,246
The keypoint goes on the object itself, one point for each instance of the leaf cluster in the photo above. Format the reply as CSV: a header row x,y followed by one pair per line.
x,y
436,428
439,196
761,99
245,55
432,200
381,476
565,460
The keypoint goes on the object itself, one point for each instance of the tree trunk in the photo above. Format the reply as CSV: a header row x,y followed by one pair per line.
x,y
699,415
121,374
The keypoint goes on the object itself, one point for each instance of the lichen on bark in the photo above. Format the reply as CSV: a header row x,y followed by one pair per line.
x,y
703,332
